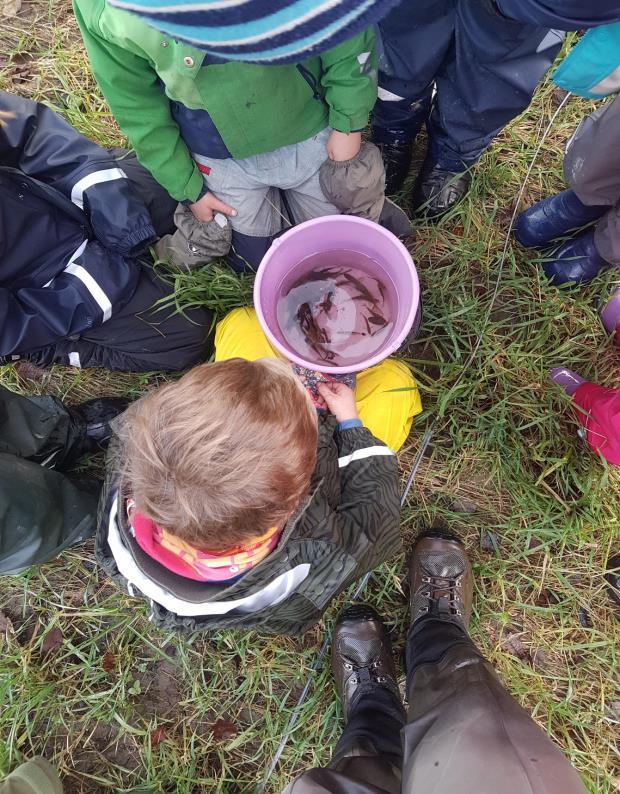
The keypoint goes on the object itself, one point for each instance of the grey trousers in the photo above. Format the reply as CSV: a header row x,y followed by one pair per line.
x,y
592,169
464,735
42,511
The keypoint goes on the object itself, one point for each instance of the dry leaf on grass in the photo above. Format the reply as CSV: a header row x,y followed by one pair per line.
x,y
158,735
512,644
52,640
6,625
108,663
540,660
9,8
224,729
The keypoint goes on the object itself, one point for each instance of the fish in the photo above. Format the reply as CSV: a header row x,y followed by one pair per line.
x,y
358,284
314,336
327,303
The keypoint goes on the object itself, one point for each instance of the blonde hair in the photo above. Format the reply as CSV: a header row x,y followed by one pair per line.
x,y
224,454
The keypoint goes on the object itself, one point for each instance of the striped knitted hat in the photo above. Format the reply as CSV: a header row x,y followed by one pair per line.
x,y
260,31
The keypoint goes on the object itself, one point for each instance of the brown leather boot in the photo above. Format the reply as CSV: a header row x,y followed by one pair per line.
x,y
361,654
441,579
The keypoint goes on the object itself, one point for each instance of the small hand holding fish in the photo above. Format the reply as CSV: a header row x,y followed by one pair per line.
x,y
340,400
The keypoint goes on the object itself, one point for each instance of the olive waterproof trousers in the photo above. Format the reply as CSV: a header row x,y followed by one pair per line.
x,y
464,734
42,511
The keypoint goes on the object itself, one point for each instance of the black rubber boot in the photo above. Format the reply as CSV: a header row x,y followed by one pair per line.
x,y
92,418
397,161
436,190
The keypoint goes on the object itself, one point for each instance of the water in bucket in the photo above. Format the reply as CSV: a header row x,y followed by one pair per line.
x,y
332,311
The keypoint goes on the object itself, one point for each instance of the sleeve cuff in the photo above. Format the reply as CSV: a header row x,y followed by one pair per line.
x,y
338,121
348,424
196,188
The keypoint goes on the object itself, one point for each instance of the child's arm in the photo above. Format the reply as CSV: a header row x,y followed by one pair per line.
x,y
350,81
369,509
368,516
140,107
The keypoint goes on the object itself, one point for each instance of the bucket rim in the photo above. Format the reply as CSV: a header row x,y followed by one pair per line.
x,y
378,357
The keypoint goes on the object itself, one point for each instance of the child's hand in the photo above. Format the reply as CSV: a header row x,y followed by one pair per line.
x,y
343,146
206,207
340,400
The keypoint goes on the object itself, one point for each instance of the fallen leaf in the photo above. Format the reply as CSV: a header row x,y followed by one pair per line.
x,y
108,663
489,542
512,644
28,371
540,660
6,625
613,708
547,598
9,8
461,505
52,640
224,729
557,96
158,735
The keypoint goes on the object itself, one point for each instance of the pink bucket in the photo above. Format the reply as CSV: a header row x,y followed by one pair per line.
x,y
391,263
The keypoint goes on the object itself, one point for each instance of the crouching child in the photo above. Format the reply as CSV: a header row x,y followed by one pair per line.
x,y
230,503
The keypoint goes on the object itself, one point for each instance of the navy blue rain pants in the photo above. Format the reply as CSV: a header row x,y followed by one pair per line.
x,y
484,67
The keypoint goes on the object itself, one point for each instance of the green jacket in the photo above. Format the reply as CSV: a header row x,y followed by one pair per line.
x,y
254,108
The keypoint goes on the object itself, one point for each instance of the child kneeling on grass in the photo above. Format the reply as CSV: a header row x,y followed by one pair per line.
x,y
230,503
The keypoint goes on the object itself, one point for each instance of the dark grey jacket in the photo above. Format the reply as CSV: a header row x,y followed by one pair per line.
x,y
347,526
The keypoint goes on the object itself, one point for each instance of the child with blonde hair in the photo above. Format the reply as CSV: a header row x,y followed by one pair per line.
x,y
230,502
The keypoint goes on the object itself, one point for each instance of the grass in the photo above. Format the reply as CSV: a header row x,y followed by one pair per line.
x,y
86,680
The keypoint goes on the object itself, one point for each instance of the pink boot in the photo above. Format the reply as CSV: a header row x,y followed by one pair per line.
x,y
610,315
569,380
597,409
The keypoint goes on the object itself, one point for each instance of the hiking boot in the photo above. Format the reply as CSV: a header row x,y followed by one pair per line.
x,y
93,419
441,579
575,262
436,190
361,655
554,217
397,161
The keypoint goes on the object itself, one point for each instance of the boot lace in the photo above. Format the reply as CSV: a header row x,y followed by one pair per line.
x,y
444,595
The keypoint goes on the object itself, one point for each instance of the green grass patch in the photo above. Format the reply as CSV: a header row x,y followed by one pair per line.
x,y
85,679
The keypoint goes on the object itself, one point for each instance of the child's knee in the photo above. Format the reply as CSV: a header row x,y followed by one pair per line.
x,y
396,375
393,383
239,335
232,333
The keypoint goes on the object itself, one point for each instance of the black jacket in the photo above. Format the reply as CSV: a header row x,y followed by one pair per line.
x,y
349,524
70,225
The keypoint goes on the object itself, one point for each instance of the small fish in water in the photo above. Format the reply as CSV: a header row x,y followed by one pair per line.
x,y
336,314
